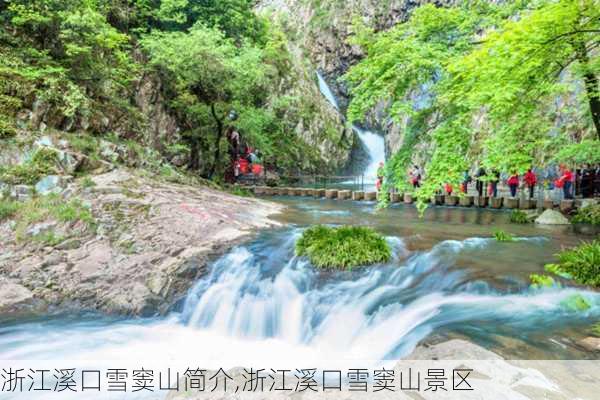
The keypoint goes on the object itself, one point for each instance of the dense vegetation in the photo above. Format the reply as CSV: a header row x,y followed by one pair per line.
x,y
588,215
345,247
502,85
78,65
582,263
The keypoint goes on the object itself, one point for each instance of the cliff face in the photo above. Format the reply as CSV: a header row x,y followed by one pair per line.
x,y
322,29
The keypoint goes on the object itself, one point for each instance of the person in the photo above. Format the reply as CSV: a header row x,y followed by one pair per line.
x,y
566,180
466,180
588,175
380,174
494,182
415,177
448,189
513,184
479,183
530,180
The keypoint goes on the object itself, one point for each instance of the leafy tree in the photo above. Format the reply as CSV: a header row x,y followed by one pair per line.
x,y
491,76
213,76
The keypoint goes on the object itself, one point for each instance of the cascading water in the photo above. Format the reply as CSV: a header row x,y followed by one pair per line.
x,y
262,304
373,143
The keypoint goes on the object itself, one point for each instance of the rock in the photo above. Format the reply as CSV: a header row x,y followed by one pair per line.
x,y
318,193
548,205
438,199
527,204
396,197
466,201
69,244
496,202
41,228
590,343
455,349
370,196
49,184
44,141
408,198
331,194
451,200
511,202
344,194
16,299
179,160
480,201
358,195
567,205
22,192
551,217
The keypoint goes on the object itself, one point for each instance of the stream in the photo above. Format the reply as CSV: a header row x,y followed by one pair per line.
x,y
448,279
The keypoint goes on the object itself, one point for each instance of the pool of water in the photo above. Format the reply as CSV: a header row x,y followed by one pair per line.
x,y
448,279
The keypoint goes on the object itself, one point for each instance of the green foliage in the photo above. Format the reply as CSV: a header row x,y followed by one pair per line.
x,y
53,207
43,162
588,215
541,281
582,262
502,236
342,248
519,217
479,83
595,330
8,208
87,182
557,270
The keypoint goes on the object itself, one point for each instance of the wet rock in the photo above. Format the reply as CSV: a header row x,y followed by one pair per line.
x,y
22,192
551,217
455,349
590,343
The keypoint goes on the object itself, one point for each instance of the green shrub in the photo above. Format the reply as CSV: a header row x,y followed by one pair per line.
x,y
557,270
8,208
582,262
596,329
502,236
343,248
87,182
588,215
42,163
519,217
541,281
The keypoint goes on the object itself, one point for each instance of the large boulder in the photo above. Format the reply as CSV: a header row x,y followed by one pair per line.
x,y
16,299
551,217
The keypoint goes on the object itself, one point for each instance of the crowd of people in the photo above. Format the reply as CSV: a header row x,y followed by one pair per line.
x,y
245,159
584,182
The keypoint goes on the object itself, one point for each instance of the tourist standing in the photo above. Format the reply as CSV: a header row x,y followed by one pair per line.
x,y
380,174
588,175
415,177
513,184
466,180
530,180
479,183
566,180
494,182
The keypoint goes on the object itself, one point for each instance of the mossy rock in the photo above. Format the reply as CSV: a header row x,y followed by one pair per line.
x,y
576,302
345,247
542,281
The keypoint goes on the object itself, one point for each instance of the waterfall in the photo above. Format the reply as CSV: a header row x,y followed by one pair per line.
x,y
373,143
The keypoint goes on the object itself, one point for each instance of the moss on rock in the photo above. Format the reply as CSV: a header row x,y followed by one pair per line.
x,y
345,247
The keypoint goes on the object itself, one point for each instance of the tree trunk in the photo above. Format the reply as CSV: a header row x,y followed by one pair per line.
x,y
591,86
194,163
217,156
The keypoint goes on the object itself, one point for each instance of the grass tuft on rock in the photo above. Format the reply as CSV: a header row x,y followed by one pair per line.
x,y
519,217
582,263
588,215
502,236
345,247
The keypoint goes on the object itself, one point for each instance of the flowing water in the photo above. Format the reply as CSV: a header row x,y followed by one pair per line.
x,y
373,143
259,302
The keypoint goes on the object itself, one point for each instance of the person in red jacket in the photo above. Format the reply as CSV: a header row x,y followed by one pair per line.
x,y
566,179
513,184
530,180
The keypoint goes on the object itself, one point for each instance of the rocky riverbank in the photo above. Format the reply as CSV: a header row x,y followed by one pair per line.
x,y
149,242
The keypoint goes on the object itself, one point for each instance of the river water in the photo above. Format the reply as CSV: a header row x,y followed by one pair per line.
x,y
448,279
